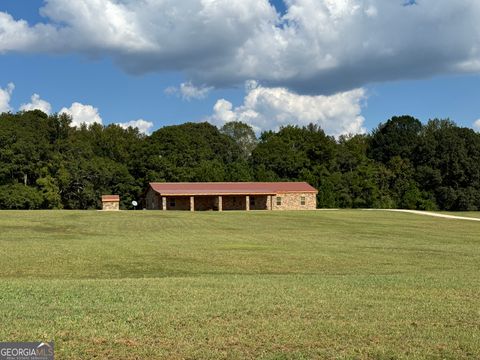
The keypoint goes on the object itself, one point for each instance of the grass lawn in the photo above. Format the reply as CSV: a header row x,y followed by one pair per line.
x,y
238,285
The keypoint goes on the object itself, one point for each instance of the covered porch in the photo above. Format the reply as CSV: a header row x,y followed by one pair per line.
x,y
216,202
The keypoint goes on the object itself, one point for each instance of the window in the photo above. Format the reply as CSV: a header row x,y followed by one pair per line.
x,y
172,202
252,202
302,200
279,201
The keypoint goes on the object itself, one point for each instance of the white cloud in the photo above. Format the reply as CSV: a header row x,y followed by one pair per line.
x,y
371,11
476,125
321,46
269,108
5,95
171,90
18,35
142,125
189,91
36,103
82,114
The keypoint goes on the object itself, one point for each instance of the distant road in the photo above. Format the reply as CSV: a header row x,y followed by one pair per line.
x,y
428,213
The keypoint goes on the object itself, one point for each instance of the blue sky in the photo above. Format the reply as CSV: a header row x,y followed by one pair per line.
x,y
352,90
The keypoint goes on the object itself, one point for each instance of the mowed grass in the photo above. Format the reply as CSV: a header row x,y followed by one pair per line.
x,y
238,285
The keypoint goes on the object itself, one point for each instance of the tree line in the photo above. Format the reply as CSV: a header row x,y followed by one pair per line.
x,y
45,163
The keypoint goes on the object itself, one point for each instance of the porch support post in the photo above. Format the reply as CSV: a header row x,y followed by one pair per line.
x,y
247,201
164,203
192,203
269,202
220,203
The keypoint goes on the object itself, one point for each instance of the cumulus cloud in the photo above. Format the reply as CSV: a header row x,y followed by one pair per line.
x,y
36,103
5,95
270,108
171,90
476,125
315,47
82,114
19,35
142,125
189,91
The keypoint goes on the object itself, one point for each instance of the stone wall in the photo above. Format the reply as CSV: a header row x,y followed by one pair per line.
x,y
111,206
292,201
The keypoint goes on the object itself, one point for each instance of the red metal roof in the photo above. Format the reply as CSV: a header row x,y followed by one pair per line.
x,y
231,188
107,198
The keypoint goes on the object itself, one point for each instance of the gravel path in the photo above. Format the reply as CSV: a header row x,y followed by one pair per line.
x,y
428,213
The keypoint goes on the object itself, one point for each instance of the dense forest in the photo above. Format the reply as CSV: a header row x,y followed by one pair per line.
x,y
45,163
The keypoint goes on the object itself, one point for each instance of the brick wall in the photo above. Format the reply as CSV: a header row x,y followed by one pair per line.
x,y
111,206
292,201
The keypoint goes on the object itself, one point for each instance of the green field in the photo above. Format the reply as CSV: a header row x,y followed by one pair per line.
x,y
238,285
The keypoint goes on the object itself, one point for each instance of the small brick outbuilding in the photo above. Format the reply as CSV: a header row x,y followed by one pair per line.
x,y
231,196
110,202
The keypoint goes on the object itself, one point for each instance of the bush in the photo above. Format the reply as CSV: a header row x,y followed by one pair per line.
x,y
18,196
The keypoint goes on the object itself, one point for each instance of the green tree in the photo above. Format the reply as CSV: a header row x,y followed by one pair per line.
x,y
50,192
243,135
20,197
448,161
288,154
399,136
188,152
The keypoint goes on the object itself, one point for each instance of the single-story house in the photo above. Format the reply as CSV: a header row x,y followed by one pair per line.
x,y
231,196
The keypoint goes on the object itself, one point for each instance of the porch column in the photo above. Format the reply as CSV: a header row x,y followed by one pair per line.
x,y
192,203
164,203
247,201
220,203
269,202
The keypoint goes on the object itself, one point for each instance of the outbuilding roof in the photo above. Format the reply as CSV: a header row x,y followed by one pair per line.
x,y
231,188
110,198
